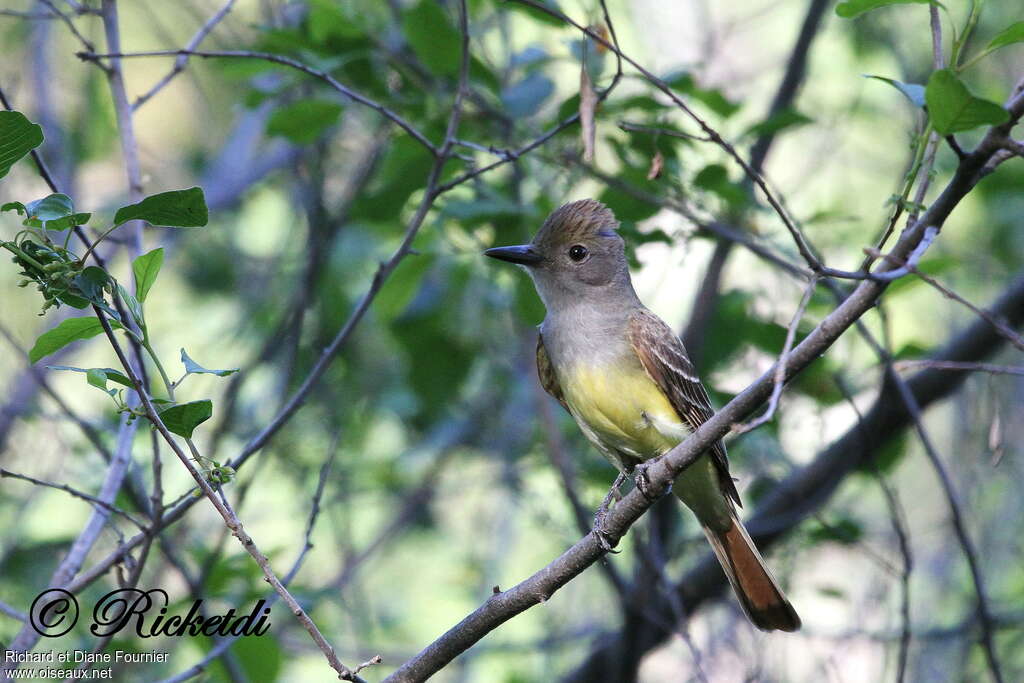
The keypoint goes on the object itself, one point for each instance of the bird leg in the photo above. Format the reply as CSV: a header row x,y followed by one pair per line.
x,y
602,513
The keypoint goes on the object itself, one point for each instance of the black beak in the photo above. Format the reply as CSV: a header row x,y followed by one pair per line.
x,y
523,254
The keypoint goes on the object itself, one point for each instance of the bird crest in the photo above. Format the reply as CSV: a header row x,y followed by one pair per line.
x,y
577,221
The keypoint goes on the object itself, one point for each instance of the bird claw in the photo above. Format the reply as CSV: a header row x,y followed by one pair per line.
x,y
603,538
602,512
643,482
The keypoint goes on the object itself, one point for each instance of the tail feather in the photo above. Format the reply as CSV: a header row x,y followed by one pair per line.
x,y
758,593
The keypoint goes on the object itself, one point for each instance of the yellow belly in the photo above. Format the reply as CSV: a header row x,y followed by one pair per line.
x,y
624,408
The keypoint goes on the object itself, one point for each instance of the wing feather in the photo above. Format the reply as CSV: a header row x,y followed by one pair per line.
x,y
548,378
666,363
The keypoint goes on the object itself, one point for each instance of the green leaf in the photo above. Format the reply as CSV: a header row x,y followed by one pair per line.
x,y
326,19
525,97
432,37
845,531
953,108
854,8
97,378
133,305
63,334
194,368
110,373
50,207
536,14
712,98
304,121
174,209
18,137
90,283
54,212
913,91
1014,33
146,268
183,418
780,120
715,178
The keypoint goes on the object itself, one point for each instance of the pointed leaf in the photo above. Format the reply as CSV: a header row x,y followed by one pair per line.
x,y
63,334
1014,33
90,283
50,207
18,137
111,374
194,368
912,91
132,304
54,212
97,378
780,120
174,209
432,37
953,108
146,268
183,418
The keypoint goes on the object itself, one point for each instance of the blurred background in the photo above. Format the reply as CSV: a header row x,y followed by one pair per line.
x,y
449,470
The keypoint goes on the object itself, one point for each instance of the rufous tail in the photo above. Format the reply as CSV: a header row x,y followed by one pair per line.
x,y
761,598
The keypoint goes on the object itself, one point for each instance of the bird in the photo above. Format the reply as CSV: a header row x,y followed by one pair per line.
x,y
626,379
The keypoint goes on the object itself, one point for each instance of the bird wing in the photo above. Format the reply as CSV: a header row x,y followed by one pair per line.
x,y
548,378
666,363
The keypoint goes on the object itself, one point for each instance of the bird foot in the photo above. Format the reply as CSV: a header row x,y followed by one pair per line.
x,y
643,482
602,513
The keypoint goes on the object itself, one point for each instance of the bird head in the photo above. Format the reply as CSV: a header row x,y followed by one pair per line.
x,y
576,254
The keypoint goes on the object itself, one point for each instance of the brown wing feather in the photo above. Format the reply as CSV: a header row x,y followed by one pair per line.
x,y
665,360
548,378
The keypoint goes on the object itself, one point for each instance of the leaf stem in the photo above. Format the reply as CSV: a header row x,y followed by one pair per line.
x,y
15,249
168,384
98,240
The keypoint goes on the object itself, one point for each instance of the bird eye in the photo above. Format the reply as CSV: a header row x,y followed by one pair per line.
x,y
578,252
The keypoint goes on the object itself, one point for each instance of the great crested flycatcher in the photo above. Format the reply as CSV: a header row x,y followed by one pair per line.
x,y
625,378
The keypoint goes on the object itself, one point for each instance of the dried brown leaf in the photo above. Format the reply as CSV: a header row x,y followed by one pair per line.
x,y
657,165
588,106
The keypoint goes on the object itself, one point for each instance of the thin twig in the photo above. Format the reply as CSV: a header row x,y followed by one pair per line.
x,y
224,644
182,61
93,500
12,612
72,561
780,365
284,61
230,520
1001,327
899,527
637,128
965,367
70,24
959,528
